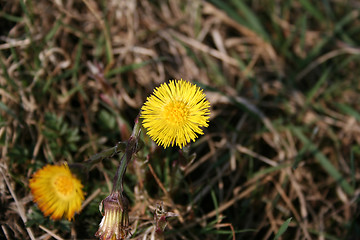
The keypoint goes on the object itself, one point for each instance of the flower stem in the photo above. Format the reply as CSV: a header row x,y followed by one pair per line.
x,y
119,176
132,147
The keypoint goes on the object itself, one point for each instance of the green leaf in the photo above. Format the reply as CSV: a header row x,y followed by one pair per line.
x,y
283,228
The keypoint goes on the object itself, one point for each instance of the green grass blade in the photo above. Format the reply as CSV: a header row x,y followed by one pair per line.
x,y
316,50
313,10
4,108
229,10
26,10
53,31
248,20
251,19
282,229
317,86
354,150
348,110
271,169
324,162
76,66
11,18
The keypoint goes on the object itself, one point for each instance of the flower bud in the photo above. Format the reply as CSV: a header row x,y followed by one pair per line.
x,y
115,221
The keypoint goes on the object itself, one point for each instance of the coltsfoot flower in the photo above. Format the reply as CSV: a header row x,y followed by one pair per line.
x,y
115,222
175,113
57,191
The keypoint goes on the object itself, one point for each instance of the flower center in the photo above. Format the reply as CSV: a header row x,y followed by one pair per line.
x,y
64,185
176,113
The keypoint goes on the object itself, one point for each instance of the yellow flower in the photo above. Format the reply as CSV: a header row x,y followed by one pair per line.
x,y
175,113
56,191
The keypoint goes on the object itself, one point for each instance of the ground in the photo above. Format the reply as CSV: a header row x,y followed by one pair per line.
x,y
280,158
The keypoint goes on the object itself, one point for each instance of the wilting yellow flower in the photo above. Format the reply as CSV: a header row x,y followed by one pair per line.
x,y
115,222
175,113
57,191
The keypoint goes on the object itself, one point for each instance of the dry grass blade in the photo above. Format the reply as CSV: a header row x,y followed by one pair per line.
x,y
324,58
51,233
255,155
19,206
283,137
90,198
204,48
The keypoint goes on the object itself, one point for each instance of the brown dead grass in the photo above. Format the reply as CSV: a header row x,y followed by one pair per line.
x,y
193,40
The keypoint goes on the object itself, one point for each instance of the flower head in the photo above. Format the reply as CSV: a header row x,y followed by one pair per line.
x,y
175,113
115,222
57,191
